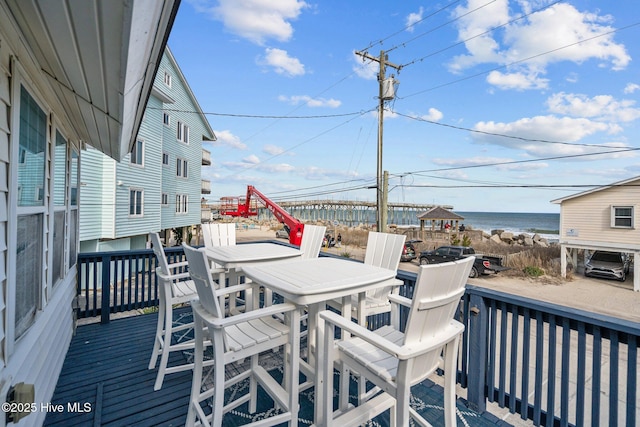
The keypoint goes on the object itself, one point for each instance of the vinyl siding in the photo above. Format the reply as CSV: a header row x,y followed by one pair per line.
x,y
37,356
143,177
589,216
181,111
97,183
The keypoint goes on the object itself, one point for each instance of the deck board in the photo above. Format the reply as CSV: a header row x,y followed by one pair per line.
x,y
106,366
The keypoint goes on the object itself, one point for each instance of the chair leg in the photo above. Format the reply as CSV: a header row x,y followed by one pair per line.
x,y
403,394
253,386
159,331
196,382
450,353
166,345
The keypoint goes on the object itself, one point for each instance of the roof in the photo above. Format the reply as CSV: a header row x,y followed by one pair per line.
x,y
439,213
594,190
100,58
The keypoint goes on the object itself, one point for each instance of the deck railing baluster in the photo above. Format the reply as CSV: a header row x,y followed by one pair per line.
x,y
490,368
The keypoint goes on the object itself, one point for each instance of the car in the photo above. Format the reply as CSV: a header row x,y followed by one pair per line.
x,y
607,265
483,264
282,234
409,250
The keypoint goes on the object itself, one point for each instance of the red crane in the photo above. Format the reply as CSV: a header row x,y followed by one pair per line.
x,y
243,207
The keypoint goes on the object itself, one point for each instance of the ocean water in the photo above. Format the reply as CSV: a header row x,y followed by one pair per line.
x,y
545,224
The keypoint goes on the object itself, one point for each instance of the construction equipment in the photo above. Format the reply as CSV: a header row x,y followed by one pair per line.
x,y
247,206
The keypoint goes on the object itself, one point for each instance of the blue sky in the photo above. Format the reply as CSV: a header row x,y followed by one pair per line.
x,y
498,102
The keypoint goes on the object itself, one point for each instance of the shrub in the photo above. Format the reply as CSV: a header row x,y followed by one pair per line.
x,y
533,271
345,254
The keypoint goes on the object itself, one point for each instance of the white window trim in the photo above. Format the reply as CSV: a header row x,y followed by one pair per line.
x,y
167,79
182,132
166,119
182,201
164,199
183,173
613,216
141,214
164,153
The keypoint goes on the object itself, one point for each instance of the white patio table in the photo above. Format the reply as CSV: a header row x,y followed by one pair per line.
x,y
311,282
234,258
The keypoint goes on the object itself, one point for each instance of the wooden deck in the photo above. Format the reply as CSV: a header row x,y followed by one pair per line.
x,y
105,373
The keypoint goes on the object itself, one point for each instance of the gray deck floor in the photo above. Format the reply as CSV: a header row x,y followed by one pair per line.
x,y
106,366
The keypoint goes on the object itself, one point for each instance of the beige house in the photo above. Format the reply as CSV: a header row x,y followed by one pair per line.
x,y
604,218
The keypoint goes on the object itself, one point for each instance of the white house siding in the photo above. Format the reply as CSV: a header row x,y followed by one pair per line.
x,y
588,218
182,110
36,357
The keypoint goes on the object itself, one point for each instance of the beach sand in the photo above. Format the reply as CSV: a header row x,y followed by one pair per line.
x,y
607,297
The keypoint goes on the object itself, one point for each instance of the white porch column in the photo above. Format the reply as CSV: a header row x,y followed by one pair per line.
x,y
636,271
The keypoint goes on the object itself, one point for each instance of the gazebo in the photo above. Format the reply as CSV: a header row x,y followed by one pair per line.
x,y
439,216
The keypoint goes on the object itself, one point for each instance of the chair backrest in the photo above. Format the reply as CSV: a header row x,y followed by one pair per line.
x,y
219,234
312,236
436,296
384,250
158,250
199,271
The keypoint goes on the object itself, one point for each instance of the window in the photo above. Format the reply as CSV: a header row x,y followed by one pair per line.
x,y
59,198
135,202
137,153
165,199
167,79
166,119
622,216
183,133
182,203
165,159
29,250
182,168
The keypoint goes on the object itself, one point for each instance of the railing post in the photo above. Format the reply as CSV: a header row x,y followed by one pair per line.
x,y
477,367
105,302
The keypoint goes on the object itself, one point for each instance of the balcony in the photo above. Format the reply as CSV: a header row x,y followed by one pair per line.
x,y
206,187
206,157
536,361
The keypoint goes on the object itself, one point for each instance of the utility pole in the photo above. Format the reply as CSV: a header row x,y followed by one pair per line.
x,y
385,94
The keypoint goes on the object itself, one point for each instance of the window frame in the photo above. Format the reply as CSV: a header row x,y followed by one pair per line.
x,y
136,155
182,204
166,119
615,216
164,199
182,132
165,156
167,79
182,168
135,213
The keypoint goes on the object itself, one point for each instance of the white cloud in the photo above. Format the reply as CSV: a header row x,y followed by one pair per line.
x,y
631,87
603,107
545,128
282,63
518,81
552,35
273,150
365,68
228,139
469,161
309,101
255,20
251,159
434,115
414,18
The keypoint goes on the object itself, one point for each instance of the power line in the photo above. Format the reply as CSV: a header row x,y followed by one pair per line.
x,y
475,36
259,116
520,138
520,61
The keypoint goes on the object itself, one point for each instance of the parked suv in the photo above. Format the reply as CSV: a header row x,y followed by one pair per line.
x,y
607,265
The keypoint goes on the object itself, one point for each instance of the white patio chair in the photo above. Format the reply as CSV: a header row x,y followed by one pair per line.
x,y
234,338
311,243
383,250
219,234
394,360
172,289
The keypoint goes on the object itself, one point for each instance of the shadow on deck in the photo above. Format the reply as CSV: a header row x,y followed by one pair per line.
x,y
105,381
